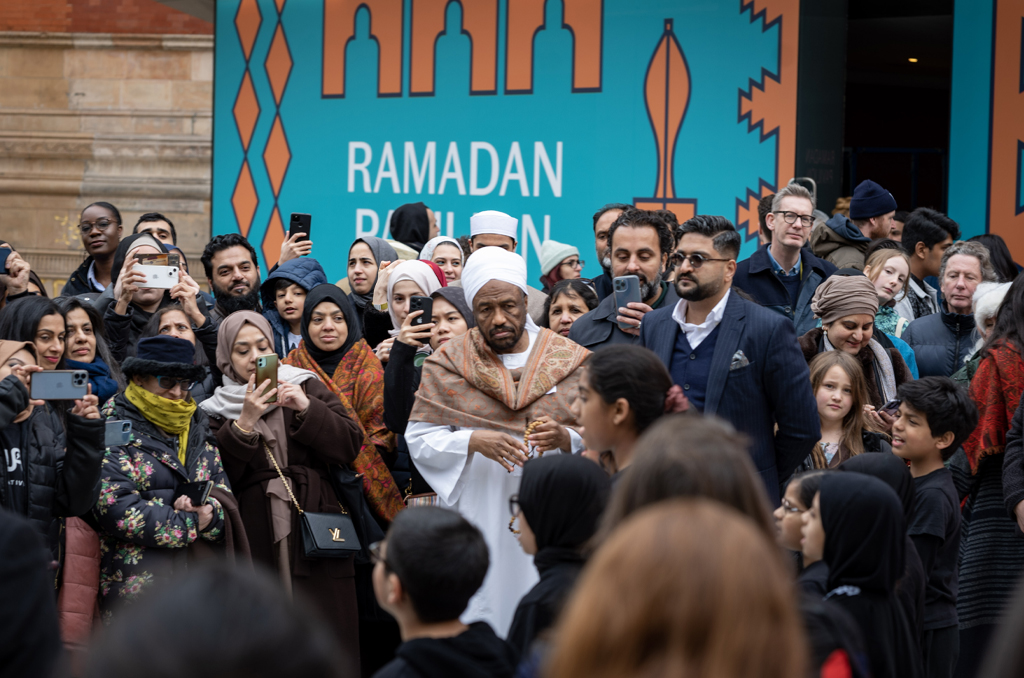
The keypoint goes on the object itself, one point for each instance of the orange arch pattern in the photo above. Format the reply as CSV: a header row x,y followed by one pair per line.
x,y
339,30
479,21
525,17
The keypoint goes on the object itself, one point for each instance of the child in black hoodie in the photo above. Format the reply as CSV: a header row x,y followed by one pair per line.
x,y
934,419
427,568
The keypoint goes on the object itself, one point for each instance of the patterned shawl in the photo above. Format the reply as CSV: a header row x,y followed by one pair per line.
x,y
996,389
358,381
465,384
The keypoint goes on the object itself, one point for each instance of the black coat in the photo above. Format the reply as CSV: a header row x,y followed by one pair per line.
x,y
376,324
941,342
78,281
540,607
62,472
475,653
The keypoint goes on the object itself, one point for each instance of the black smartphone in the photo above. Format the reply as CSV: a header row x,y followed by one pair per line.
x,y
4,253
198,493
425,304
300,224
266,368
891,407
59,384
627,290
117,433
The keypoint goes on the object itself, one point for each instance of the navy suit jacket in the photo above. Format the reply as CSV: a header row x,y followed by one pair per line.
x,y
774,388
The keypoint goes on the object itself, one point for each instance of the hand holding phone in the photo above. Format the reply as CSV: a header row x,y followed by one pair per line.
x,y
266,369
891,407
627,290
60,385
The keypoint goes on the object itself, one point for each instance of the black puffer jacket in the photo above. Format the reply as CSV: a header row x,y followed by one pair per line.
x,y
941,342
59,483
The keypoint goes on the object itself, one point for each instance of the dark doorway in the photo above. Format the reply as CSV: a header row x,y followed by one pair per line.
x,y
897,110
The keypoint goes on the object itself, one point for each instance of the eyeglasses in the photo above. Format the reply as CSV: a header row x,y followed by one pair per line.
x,y
167,383
696,260
806,220
513,505
574,263
102,224
788,507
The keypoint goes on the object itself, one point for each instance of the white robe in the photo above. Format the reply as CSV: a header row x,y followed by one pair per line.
x,y
479,488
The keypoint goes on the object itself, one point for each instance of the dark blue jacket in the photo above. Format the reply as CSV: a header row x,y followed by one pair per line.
x,y
755,276
941,342
306,273
774,387
599,328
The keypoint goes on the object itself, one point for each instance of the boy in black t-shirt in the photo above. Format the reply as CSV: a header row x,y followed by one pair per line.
x,y
934,419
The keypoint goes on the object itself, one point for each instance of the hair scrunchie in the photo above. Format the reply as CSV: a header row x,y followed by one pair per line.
x,y
675,400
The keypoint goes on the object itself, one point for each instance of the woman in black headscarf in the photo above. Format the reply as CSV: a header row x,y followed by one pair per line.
x,y
364,259
560,501
861,521
893,471
413,225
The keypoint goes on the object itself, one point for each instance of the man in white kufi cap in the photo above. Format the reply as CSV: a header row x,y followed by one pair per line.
x,y
478,393
491,228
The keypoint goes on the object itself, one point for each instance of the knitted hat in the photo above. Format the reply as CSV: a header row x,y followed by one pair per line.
x,y
840,296
553,253
164,356
870,200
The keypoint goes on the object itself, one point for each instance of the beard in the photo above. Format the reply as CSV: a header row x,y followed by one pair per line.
x,y
229,303
700,292
506,343
649,288
606,261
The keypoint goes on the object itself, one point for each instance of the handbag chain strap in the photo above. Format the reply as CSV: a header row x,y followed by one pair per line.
x,y
287,486
283,479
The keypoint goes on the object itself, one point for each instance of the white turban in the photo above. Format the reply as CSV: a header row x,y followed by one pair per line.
x,y
494,263
427,253
490,221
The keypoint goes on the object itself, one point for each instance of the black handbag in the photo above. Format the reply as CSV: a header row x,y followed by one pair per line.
x,y
324,535
349,488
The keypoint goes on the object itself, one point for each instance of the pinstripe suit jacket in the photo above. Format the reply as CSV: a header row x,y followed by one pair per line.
x,y
769,398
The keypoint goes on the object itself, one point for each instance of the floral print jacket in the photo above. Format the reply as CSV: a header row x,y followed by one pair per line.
x,y
142,537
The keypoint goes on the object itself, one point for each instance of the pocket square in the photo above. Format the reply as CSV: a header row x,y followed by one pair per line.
x,y
739,359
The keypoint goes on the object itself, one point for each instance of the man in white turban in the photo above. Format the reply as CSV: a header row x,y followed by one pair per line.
x,y
491,228
478,393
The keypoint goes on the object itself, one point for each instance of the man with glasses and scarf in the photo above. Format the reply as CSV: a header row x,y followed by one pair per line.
x,y
640,243
733,358
783,275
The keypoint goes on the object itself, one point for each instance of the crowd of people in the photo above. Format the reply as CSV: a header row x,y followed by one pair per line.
x,y
806,462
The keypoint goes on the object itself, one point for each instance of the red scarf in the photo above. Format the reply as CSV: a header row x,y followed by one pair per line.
x,y
358,381
996,389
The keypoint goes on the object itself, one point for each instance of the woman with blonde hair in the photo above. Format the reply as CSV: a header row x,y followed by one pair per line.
x,y
722,619
841,392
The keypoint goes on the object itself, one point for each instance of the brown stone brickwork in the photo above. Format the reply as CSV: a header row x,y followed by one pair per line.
x,y
98,16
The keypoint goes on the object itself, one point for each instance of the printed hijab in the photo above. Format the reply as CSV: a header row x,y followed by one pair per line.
x,y
382,251
328,360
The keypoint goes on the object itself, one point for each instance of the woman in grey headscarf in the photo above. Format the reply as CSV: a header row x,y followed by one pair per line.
x,y
846,306
364,260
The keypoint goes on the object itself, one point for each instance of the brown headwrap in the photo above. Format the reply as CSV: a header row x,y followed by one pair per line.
x,y
840,296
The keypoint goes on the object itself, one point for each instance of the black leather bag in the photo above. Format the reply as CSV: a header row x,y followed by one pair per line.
x,y
324,535
349,488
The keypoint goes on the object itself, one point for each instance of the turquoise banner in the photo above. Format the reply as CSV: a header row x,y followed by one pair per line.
x,y
546,110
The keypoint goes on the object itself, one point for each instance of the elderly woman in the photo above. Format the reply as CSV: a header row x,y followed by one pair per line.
x,y
558,261
847,306
566,303
988,297
306,429
145,522
447,254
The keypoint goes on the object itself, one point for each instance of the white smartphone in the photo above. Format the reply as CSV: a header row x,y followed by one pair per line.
x,y
158,277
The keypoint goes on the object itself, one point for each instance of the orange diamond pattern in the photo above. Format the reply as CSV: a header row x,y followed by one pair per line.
x,y
278,64
247,23
245,200
276,156
280,5
247,110
272,239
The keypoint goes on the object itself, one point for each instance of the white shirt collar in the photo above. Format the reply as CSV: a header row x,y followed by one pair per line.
x,y
695,334
91,277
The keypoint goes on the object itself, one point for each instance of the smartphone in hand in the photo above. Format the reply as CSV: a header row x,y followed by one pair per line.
x,y
425,304
627,290
891,407
300,223
59,385
266,368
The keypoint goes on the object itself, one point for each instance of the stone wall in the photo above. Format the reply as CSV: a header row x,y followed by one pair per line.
x,y
124,118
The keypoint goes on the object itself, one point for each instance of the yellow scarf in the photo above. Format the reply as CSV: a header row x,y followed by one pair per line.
x,y
173,416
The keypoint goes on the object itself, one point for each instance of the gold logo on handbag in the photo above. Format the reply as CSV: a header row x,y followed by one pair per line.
x,y
335,534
